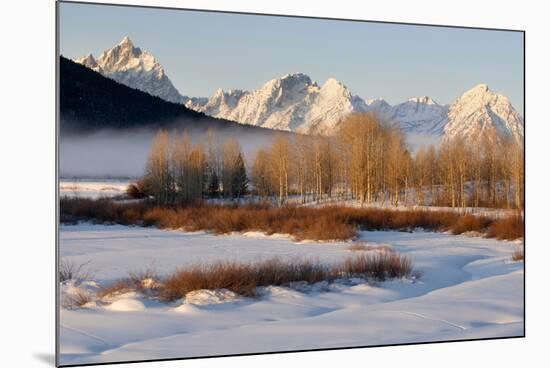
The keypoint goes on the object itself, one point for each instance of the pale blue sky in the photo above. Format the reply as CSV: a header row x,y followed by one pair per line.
x,y
203,51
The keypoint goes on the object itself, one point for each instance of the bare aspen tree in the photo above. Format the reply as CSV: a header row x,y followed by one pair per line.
x,y
432,164
406,174
262,174
213,164
517,168
477,173
461,161
196,173
490,143
230,155
394,165
447,173
420,174
180,150
280,157
329,165
302,164
158,175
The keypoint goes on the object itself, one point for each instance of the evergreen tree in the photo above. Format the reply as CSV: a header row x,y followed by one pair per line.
x,y
213,185
239,180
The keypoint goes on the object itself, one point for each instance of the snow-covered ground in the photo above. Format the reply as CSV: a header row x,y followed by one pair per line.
x,y
108,188
92,188
469,288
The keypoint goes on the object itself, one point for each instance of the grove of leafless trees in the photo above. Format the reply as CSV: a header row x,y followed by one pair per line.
x,y
179,171
367,161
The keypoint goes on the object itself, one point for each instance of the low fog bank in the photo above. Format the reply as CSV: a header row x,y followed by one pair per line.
x,y
123,153
415,141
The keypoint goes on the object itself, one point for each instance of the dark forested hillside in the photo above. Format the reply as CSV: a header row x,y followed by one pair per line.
x,y
91,102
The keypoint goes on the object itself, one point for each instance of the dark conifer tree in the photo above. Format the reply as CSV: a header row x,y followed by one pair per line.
x,y
240,180
213,185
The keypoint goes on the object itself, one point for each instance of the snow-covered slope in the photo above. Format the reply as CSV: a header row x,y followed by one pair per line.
x,y
479,110
136,68
420,115
293,102
333,103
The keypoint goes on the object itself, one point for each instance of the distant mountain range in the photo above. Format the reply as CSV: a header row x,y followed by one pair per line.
x,y
90,102
295,103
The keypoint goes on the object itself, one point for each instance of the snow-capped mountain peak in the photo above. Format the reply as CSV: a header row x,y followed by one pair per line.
x,y
479,110
220,103
126,42
88,61
418,115
134,67
378,104
334,84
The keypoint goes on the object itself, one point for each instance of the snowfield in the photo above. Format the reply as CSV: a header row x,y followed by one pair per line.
x,y
469,288
94,188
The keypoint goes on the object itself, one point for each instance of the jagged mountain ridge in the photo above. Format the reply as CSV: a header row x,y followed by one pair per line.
x,y
293,102
296,103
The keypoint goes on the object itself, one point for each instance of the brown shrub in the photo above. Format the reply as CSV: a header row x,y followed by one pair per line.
x,y
145,281
69,270
244,278
77,300
136,190
469,223
323,228
101,210
236,277
379,266
387,219
118,287
507,228
518,255
324,223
